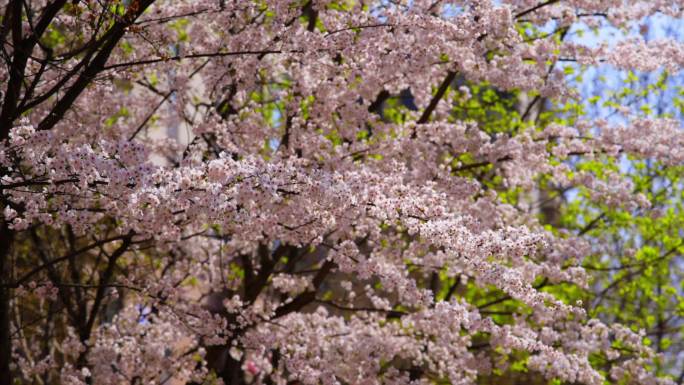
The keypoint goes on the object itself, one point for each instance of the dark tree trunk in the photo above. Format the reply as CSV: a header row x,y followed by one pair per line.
x,y
6,236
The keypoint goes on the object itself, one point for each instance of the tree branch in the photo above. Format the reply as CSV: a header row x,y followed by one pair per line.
x,y
96,66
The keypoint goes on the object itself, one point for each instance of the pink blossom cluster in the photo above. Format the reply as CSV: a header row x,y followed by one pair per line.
x,y
296,233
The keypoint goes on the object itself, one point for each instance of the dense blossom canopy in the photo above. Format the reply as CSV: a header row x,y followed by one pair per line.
x,y
319,212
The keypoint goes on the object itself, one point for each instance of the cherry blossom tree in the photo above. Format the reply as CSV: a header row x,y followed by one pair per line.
x,y
351,200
